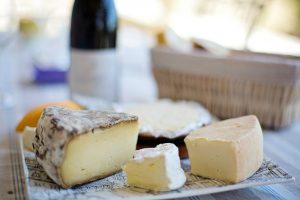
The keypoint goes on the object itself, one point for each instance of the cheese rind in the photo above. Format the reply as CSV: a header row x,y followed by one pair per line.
x,y
230,150
77,146
156,169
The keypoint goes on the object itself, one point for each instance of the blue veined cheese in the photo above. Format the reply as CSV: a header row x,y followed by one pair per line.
x,y
156,169
230,150
78,146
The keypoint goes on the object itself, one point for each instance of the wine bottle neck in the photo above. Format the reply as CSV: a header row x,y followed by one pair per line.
x,y
94,24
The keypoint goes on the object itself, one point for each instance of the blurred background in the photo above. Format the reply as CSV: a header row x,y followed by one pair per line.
x,y
34,35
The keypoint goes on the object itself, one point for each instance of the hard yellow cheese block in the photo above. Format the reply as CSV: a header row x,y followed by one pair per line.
x,y
78,146
230,150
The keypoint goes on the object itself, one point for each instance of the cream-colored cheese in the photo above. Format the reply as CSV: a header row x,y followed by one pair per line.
x,y
169,119
76,147
156,169
27,137
98,154
230,150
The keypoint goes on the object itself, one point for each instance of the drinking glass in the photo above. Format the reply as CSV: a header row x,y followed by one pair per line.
x,y
8,27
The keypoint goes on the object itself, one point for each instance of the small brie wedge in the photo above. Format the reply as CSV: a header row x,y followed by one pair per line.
x,y
156,169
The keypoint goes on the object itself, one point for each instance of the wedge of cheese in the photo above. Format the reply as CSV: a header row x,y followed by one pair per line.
x,y
169,119
28,137
230,150
78,146
156,169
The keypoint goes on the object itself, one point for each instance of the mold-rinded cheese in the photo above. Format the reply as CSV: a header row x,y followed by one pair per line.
x,y
156,169
78,146
230,150
169,119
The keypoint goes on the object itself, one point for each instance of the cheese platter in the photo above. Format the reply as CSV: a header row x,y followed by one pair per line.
x,y
98,161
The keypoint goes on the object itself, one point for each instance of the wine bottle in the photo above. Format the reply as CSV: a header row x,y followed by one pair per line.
x,y
94,70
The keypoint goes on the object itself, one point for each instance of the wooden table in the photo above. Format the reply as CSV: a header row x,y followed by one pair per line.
x,y
283,146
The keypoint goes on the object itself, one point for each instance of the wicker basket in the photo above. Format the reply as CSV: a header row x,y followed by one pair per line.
x,y
241,84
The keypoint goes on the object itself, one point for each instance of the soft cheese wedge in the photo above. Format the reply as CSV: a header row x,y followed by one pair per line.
x,y
230,150
78,146
156,169
169,119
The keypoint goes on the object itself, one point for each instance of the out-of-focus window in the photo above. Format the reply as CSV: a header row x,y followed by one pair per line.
x,y
259,25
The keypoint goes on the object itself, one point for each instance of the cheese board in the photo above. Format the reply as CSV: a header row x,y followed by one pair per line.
x,y
40,186
44,177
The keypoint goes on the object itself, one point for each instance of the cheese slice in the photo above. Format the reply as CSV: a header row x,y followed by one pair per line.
x,y
168,119
28,137
156,169
230,150
78,146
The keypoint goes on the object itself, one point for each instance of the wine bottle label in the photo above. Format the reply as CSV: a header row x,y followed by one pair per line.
x,y
94,73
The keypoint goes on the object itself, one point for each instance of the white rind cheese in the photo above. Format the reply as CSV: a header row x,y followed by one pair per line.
x,y
156,169
78,146
230,150
168,119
